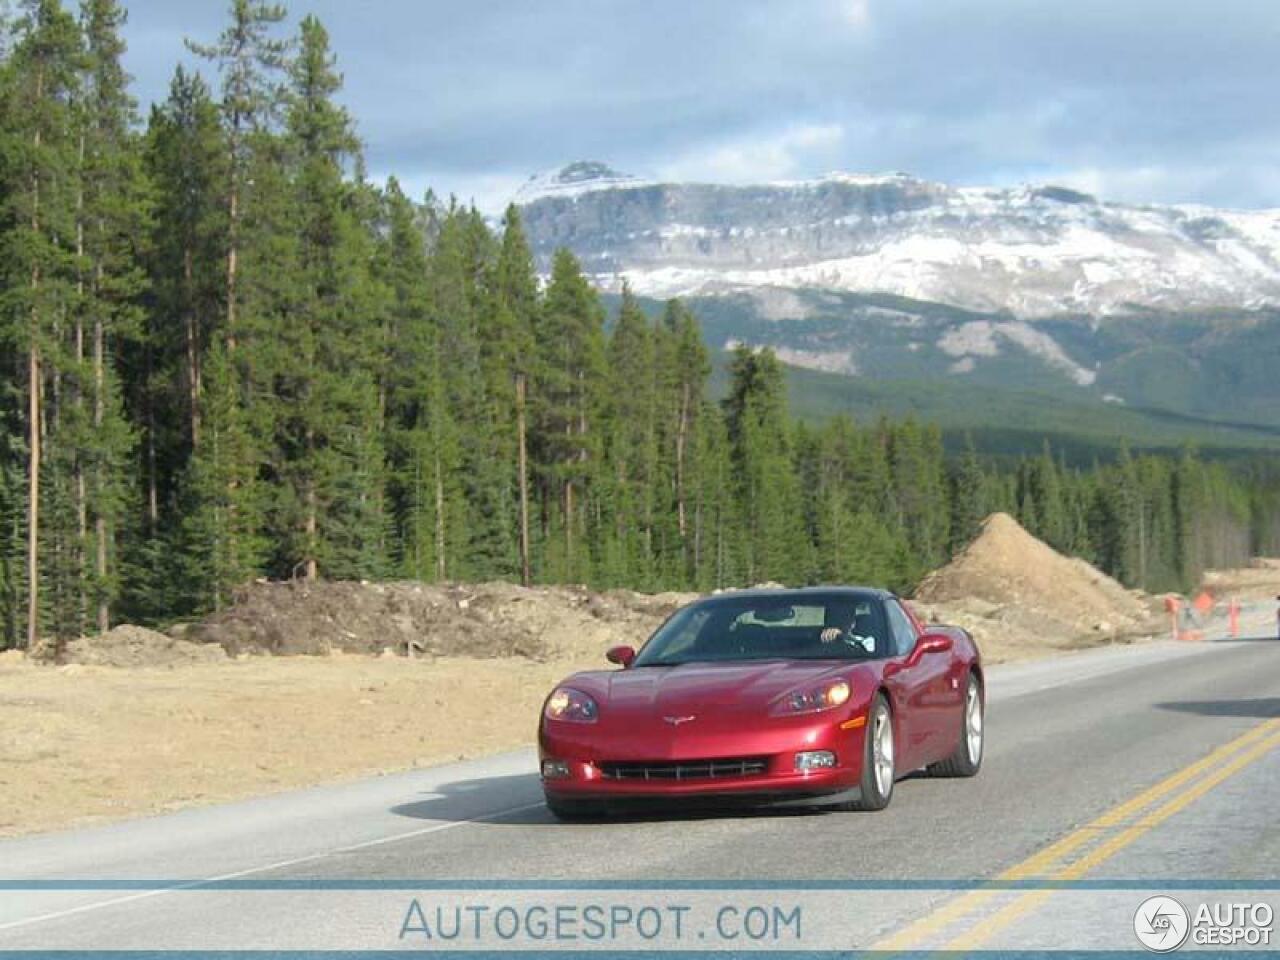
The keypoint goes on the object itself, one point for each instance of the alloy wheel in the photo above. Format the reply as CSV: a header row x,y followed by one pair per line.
x,y
973,722
882,752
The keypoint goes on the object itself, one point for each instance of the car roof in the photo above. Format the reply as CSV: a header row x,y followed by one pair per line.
x,y
781,593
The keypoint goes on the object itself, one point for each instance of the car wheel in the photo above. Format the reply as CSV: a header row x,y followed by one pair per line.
x,y
572,811
879,768
966,761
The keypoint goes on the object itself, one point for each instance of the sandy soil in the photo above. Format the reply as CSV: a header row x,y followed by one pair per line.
x,y
1258,582
80,744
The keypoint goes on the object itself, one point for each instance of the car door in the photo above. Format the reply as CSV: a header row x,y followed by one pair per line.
x,y
947,696
907,689
925,683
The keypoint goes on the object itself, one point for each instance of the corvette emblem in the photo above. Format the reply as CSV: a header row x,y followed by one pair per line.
x,y
676,721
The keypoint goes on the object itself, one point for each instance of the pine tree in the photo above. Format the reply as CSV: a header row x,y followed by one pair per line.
x,y
410,346
690,370
569,393
187,165
12,509
249,59
854,544
453,394
916,464
329,438
163,366
223,540
260,256
827,488
12,455
38,223
716,562
970,503
1120,521
772,538
115,219
491,494
1044,488
632,450
508,350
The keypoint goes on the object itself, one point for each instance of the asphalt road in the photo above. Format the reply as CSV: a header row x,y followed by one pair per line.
x,y
1068,740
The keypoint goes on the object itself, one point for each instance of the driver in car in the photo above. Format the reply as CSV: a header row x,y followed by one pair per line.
x,y
857,630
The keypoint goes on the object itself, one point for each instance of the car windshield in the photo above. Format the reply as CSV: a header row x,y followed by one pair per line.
x,y
802,626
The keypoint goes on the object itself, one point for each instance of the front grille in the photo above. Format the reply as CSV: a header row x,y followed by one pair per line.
x,y
685,769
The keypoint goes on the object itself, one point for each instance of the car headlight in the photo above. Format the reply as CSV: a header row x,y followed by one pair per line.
x,y
566,703
830,694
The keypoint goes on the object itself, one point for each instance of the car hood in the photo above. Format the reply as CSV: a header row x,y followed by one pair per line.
x,y
692,688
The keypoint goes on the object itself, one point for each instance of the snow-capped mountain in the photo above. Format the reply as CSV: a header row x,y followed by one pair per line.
x,y
574,180
1033,252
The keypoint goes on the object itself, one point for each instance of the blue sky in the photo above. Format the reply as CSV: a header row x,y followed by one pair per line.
x,y
1140,100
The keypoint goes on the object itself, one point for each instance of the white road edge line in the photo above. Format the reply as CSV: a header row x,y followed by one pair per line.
x,y
250,871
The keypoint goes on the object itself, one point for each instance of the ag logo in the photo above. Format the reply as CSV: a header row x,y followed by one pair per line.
x,y
1161,923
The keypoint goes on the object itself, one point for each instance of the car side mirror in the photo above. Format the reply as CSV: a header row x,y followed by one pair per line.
x,y
933,643
621,655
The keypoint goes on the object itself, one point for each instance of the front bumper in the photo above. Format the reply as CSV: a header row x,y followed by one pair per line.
x,y
588,755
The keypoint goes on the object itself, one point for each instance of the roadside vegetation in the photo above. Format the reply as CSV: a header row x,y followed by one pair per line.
x,y
227,355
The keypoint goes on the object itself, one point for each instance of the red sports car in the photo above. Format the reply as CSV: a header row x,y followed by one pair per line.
x,y
823,695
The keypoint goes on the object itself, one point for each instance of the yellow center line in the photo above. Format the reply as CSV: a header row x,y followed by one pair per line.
x,y
1109,848
1044,860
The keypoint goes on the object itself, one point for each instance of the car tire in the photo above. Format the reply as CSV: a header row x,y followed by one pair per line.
x,y
573,811
966,759
879,759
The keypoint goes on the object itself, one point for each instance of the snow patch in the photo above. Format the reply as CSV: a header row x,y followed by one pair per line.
x,y
1029,251
981,338
574,180
976,339
827,361
780,303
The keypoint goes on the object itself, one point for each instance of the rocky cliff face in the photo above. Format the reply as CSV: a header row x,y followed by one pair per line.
x,y
1033,252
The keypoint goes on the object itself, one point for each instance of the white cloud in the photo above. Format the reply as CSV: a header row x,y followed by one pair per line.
x,y
1125,183
857,13
793,151
1161,183
490,192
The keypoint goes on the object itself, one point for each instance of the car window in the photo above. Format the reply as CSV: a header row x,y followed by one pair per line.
x,y
903,630
836,625
798,616
685,631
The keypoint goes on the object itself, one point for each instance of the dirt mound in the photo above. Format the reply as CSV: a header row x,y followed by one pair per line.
x,y
477,620
1006,586
1014,581
130,646
1259,581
